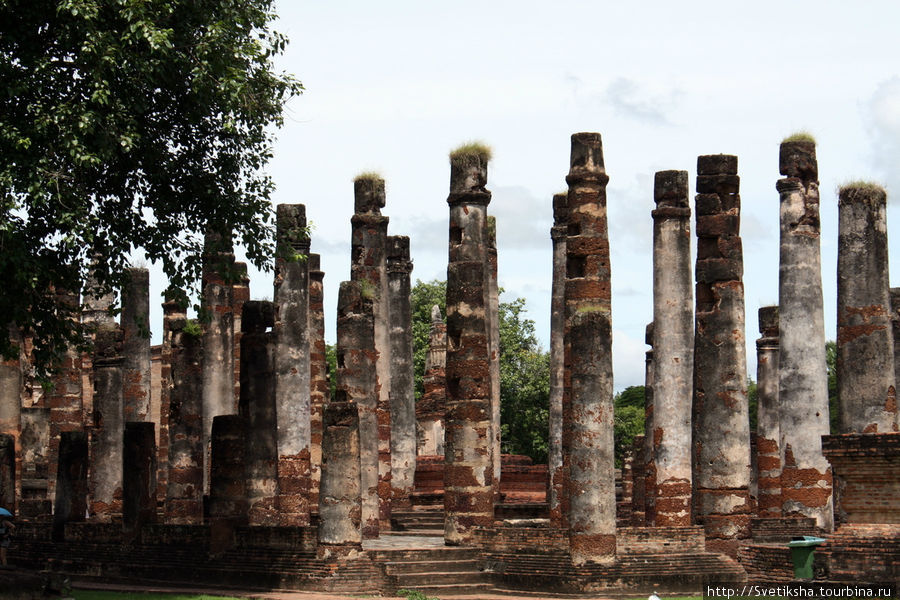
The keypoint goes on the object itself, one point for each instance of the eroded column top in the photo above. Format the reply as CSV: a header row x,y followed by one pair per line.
x,y
586,158
798,159
768,321
368,194
468,174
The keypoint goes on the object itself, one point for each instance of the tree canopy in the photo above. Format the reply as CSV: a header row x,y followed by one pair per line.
x,y
125,126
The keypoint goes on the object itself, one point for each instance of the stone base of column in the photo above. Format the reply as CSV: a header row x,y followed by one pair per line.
x,y
293,490
338,551
805,492
592,548
672,503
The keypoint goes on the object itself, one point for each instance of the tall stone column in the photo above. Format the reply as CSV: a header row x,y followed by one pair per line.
x,y
70,503
173,313
340,534
468,468
806,480
258,407
11,388
369,265
318,375
240,295
135,324
895,329
647,448
865,347
432,407
357,383
8,471
184,489
227,489
403,393
721,419
292,368
105,475
139,477
218,338
557,358
673,349
588,403
768,458
492,302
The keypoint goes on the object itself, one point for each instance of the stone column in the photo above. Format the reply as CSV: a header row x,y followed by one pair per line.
x,y
218,338
71,501
895,329
318,376
492,302
173,312
292,368
357,383
639,482
588,402
139,479
240,295
227,490
768,459
673,349
258,407
403,393
802,378
721,418
369,266
11,389
105,475
557,357
8,471
647,448
468,468
865,347
184,493
432,407
340,534
135,323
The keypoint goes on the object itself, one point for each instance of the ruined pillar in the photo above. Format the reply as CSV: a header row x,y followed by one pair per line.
x,y
258,408
318,375
8,471
647,448
639,482
468,469
895,329
588,402
184,489
867,397
71,500
173,312
340,534
11,388
721,421
139,478
768,459
227,489
106,472
557,358
432,407
292,368
492,302
673,350
240,294
403,393
356,382
218,337
135,323
802,377
369,267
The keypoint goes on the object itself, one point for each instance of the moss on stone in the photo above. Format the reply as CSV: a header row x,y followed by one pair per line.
x,y
799,136
471,153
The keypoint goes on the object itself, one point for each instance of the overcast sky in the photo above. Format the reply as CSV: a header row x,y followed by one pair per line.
x,y
393,86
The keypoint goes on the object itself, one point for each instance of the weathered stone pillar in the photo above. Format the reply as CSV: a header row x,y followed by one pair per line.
x,y
647,448
802,378
340,534
11,389
135,323
895,329
139,477
292,369
184,492
588,402
357,383
318,375
557,358
8,471
369,266
240,295
173,312
227,490
468,469
432,407
865,350
71,500
721,421
218,338
639,482
673,349
768,459
403,393
492,302
105,475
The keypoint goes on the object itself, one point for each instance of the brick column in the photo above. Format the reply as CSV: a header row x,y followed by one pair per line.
x,y
721,412
135,323
240,295
492,302
468,469
173,312
557,358
369,265
11,388
894,294
403,393
588,402
292,368
867,397
70,503
8,471
339,531
227,490
105,475
802,380
673,349
647,448
318,375
139,479
768,458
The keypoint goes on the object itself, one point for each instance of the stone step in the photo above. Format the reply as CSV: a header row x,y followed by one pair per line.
x,y
421,566
424,555
419,532
454,589
431,579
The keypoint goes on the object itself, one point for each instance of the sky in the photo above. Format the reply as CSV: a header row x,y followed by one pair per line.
x,y
394,86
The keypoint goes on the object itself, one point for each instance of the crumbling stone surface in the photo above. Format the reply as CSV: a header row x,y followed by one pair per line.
x,y
318,375
7,471
71,501
227,484
768,457
557,356
431,407
105,473
340,533
139,479
865,348
492,305
135,323
647,450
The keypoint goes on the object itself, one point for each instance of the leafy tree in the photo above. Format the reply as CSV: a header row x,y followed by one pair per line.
x,y
753,403
831,365
129,125
628,420
423,296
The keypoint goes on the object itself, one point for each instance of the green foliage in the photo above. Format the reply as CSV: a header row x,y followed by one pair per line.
x,y
753,403
831,366
471,153
415,595
193,328
128,125
628,420
331,368
799,136
423,296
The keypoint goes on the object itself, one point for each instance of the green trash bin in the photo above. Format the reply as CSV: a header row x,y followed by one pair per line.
x,y
802,549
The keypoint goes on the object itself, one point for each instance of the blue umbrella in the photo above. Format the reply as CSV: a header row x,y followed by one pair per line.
x,y
4,512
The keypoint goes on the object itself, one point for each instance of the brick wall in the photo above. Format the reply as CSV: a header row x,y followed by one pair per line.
x,y
866,476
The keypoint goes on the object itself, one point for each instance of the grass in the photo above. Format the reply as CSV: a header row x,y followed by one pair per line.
x,y
799,136
368,176
106,595
471,153
863,186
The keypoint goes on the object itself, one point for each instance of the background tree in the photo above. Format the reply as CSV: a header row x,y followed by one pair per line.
x,y
628,420
123,126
